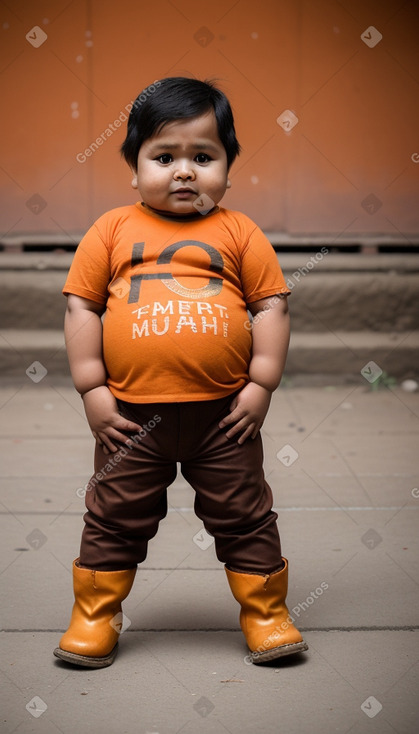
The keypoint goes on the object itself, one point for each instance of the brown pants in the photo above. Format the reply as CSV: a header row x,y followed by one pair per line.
x,y
127,496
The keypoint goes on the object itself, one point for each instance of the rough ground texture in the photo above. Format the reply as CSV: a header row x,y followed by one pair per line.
x,y
342,462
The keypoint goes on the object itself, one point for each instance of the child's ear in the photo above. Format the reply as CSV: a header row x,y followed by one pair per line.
x,y
134,182
228,186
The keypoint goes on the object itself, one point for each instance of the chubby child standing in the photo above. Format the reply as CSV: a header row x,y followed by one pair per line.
x,y
174,372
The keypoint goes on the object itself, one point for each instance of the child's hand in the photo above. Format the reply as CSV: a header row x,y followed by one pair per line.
x,y
248,411
104,420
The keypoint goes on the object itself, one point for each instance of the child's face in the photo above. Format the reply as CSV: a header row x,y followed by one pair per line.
x,y
181,162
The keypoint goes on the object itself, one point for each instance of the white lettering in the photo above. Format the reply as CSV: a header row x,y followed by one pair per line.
x,y
155,329
159,308
136,331
142,311
202,306
184,306
183,321
206,326
221,309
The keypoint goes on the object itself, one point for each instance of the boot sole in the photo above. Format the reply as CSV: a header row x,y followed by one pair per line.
x,y
84,660
277,652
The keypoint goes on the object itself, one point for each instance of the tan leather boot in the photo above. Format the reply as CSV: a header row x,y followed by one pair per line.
x,y
264,617
92,637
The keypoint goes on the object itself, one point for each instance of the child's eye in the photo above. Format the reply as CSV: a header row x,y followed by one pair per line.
x,y
164,158
202,158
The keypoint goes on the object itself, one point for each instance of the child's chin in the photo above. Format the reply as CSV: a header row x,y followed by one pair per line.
x,y
184,207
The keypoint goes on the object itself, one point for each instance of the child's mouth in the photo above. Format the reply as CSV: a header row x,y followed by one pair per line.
x,y
184,193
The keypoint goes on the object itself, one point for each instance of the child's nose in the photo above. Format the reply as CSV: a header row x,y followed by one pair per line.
x,y
184,171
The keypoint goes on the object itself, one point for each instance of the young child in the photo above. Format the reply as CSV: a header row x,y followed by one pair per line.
x,y
176,373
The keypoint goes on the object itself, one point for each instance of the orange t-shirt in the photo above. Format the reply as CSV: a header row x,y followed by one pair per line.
x,y
176,325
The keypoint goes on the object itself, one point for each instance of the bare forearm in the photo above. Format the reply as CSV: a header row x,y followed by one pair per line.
x,y
83,335
271,333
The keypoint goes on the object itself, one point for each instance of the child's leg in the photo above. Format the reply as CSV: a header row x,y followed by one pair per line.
x,y
235,504
126,499
127,496
232,497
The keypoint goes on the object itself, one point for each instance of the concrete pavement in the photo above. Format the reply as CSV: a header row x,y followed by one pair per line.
x,y
342,462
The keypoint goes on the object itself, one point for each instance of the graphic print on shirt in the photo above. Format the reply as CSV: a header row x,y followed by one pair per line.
x,y
194,315
216,264
178,345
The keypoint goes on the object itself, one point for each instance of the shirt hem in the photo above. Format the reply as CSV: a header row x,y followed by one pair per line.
x,y
281,291
188,398
70,290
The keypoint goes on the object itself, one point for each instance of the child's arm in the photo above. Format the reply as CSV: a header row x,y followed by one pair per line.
x,y
271,332
83,336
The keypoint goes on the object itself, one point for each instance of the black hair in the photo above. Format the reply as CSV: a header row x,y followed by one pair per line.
x,y
177,98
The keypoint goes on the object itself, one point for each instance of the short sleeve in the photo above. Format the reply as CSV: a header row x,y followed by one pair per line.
x,y
261,273
89,274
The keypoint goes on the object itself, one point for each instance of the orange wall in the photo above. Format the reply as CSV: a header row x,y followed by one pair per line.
x,y
357,107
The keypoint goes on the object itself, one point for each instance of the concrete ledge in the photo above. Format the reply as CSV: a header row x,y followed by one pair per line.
x,y
328,353
20,348
346,352
323,298
367,240
290,261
